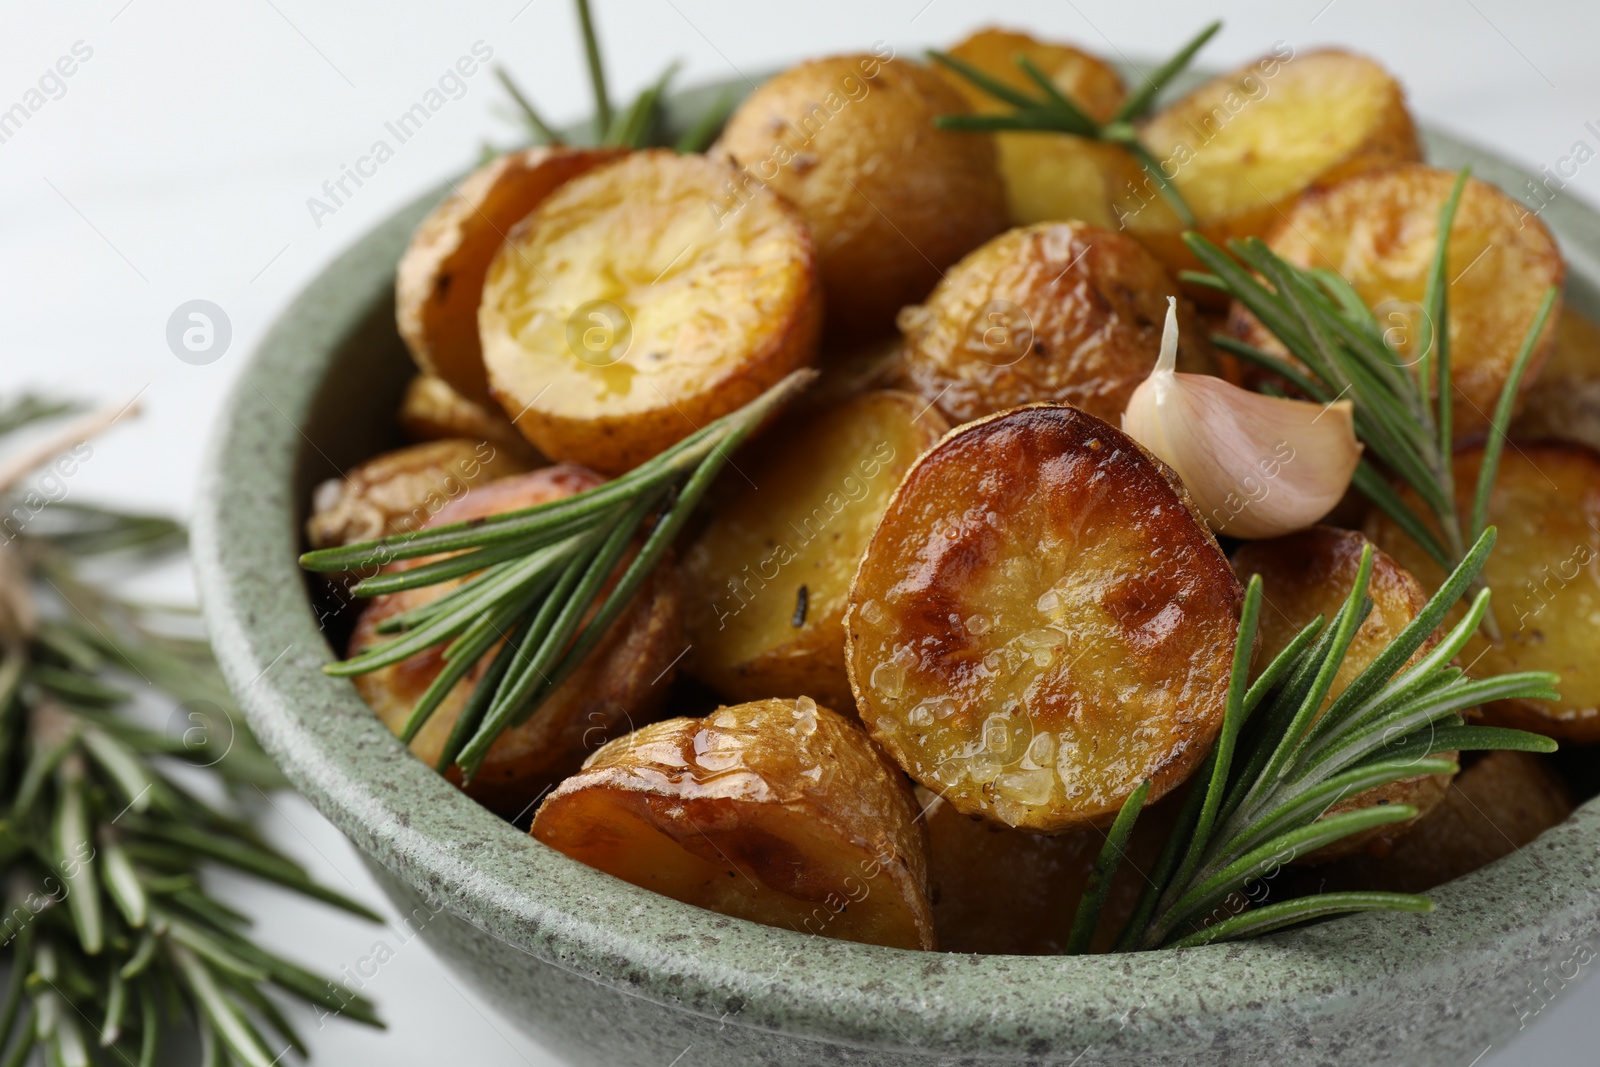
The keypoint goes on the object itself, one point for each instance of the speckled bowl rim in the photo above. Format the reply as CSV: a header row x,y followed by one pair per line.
x,y
428,835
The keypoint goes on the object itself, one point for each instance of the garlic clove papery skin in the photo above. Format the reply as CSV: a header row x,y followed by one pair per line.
x,y
1257,466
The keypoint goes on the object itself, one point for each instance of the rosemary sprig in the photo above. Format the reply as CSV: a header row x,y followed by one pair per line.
x,y
635,126
536,575
1281,762
111,935
1053,111
1402,414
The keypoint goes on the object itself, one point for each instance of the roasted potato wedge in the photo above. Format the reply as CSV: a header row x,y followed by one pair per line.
x,y
616,689
1308,574
1049,177
996,890
778,811
1494,807
431,410
1565,400
1545,576
891,199
1042,621
402,490
440,279
772,569
1379,230
1243,147
1059,312
625,312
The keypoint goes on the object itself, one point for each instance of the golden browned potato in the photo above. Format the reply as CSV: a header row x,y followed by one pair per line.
x,y
431,410
1495,806
617,688
778,811
891,199
1379,231
1565,400
1049,176
772,570
1308,574
997,890
1042,621
1241,148
1059,312
441,274
402,490
1544,574
625,312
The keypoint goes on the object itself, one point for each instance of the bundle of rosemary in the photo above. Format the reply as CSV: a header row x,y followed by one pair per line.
x,y
113,942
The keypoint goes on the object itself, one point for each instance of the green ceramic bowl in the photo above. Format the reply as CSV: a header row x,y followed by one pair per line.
x,y
608,974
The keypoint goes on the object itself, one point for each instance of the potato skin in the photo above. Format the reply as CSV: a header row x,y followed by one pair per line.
x,y
817,484
1060,312
890,198
1042,621
1310,573
440,279
617,688
776,811
718,308
1545,576
1243,147
1493,807
1049,177
1564,402
431,410
402,490
1379,231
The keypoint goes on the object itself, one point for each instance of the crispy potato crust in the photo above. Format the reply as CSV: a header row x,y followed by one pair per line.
x,y
630,309
402,490
616,689
1042,621
1565,400
431,410
1244,146
1495,806
1308,574
1379,231
777,811
1049,177
771,573
1057,312
441,274
1545,576
891,199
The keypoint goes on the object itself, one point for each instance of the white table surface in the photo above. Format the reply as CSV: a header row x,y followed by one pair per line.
x,y
177,162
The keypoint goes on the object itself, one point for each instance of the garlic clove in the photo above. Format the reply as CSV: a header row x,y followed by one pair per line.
x,y
1257,466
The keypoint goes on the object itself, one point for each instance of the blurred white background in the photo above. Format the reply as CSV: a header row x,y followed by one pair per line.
x,y
176,163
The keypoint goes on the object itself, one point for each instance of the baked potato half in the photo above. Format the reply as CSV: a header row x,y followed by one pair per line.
x,y
618,687
1564,402
1042,622
1310,573
891,199
440,279
1494,807
430,410
1058,312
1049,177
1545,576
1379,231
772,568
777,811
400,491
626,312
1243,147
